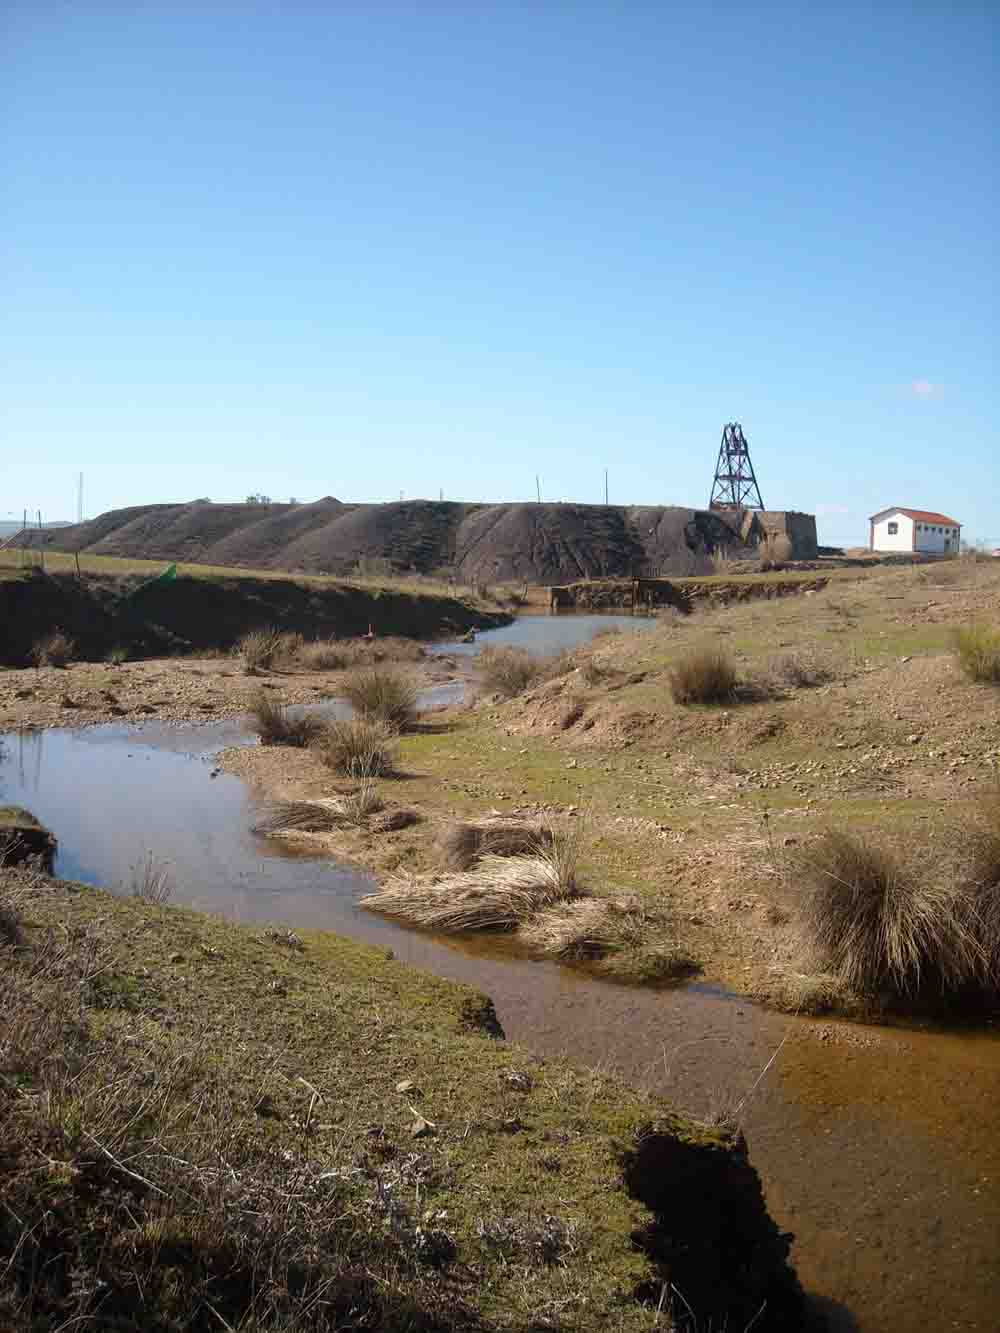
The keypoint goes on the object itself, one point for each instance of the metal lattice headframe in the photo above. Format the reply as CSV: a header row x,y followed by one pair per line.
x,y
735,486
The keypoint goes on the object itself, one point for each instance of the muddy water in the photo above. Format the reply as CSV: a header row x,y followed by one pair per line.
x,y
879,1149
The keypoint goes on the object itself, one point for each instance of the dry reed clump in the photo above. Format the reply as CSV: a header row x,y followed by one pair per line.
x,y
798,671
276,725
344,654
586,928
703,678
151,880
499,893
383,694
55,650
508,671
886,928
355,808
978,651
362,747
461,845
982,887
259,649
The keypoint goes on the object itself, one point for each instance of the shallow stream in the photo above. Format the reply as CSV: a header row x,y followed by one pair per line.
x,y
879,1148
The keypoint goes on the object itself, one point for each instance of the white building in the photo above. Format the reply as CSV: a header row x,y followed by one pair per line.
x,y
918,530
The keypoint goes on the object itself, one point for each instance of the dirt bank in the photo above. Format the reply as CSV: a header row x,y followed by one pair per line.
x,y
147,617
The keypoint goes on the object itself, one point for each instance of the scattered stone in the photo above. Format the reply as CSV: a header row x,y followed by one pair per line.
x,y
421,1128
176,958
519,1079
406,1085
914,738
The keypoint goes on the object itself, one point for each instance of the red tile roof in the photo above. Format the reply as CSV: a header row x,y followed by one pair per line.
x,y
921,516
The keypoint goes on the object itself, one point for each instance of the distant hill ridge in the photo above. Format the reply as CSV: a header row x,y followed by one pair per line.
x,y
477,543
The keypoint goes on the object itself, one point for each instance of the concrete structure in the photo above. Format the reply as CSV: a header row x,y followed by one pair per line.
x,y
757,525
920,530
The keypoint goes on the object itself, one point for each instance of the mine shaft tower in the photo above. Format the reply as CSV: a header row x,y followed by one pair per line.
x,y
735,486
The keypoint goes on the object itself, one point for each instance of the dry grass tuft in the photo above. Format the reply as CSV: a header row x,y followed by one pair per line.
x,y
382,694
572,712
360,808
703,678
259,649
798,671
499,893
275,725
345,654
586,928
462,845
982,887
362,747
978,651
882,926
55,650
151,880
508,671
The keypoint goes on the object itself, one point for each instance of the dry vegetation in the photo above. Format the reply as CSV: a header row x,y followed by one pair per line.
x,y
508,671
359,748
276,724
383,695
978,652
703,678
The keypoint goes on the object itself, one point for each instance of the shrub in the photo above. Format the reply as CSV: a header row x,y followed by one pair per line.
x,y
325,655
703,678
258,650
379,692
978,652
275,725
881,926
508,671
117,655
362,747
56,650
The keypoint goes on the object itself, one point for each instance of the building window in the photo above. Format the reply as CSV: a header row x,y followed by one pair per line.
x,y
893,529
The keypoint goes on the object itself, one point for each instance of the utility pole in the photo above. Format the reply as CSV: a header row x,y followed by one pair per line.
x,y
538,488
605,486
79,499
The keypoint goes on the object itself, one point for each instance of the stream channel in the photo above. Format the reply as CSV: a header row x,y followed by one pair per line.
x,y
879,1148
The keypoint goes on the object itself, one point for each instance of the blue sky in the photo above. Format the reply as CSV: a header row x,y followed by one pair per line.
x,y
368,250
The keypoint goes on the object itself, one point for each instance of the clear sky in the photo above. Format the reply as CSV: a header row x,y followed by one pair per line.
x,y
372,249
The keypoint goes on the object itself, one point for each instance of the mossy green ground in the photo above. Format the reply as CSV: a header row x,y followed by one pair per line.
x,y
522,1167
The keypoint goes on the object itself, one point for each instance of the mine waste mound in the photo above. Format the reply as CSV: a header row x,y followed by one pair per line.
x,y
530,543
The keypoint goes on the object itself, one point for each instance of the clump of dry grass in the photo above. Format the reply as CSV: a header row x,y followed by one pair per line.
x,y
883,926
357,808
982,887
978,651
499,893
461,845
276,725
798,671
706,677
362,747
572,711
593,672
586,928
55,650
259,649
344,654
383,694
508,671
151,880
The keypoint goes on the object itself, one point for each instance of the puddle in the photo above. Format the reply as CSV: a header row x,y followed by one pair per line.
x,y
879,1149
544,635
